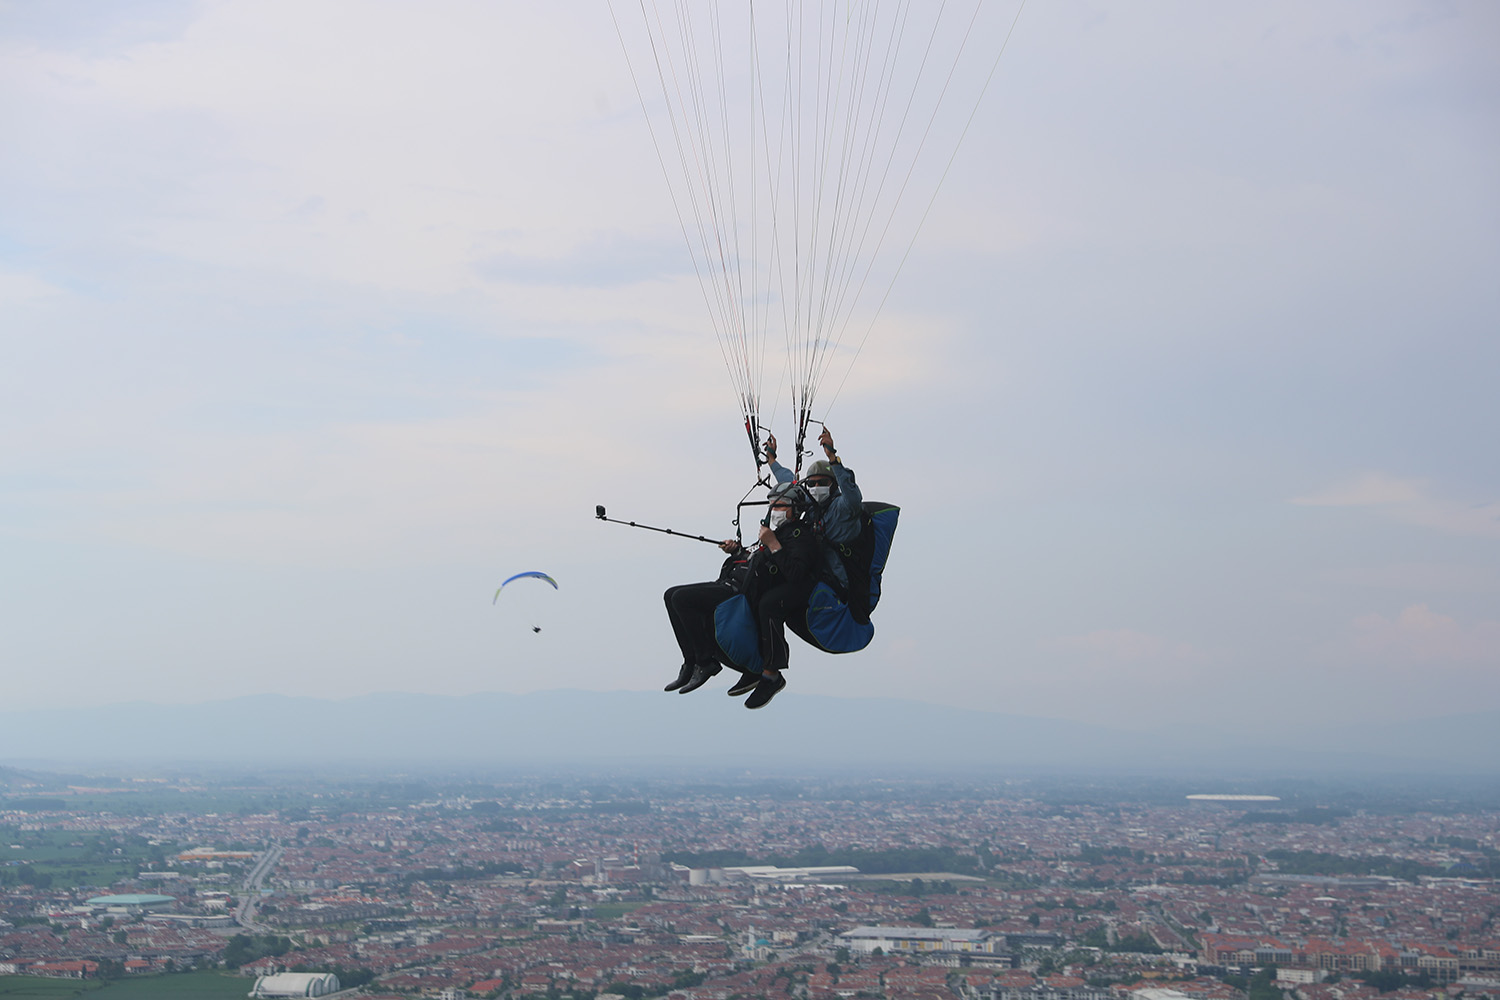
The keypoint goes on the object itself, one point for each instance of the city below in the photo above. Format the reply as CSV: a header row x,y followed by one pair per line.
x,y
699,889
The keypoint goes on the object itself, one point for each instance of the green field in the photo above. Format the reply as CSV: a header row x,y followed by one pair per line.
x,y
186,986
71,858
60,846
610,911
33,986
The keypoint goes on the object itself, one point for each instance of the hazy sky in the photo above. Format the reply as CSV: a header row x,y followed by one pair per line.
x,y
317,320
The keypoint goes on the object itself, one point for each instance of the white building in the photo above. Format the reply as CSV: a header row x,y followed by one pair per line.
x,y
132,903
763,873
296,984
921,940
1158,993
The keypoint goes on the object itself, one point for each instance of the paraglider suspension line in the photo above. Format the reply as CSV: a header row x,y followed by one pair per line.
x,y
745,501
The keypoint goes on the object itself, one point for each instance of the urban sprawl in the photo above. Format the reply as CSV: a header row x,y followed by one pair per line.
x,y
704,892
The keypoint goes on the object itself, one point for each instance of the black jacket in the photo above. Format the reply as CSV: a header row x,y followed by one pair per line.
x,y
795,565
734,569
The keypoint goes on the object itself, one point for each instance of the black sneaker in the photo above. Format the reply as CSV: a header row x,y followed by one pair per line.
x,y
683,676
745,684
701,673
768,688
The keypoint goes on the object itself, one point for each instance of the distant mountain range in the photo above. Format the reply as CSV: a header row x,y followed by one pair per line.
x,y
806,732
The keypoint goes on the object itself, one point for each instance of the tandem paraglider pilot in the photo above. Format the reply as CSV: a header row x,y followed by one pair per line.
x,y
838,517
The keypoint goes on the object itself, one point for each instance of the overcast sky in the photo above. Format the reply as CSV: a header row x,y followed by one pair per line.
x,y
317,320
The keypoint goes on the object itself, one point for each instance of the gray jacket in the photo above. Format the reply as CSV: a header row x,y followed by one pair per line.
x,y
838,516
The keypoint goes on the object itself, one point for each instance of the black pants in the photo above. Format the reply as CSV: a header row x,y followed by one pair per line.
x,y
772,610
690,609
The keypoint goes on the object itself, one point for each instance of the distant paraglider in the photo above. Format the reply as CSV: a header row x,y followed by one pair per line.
x,y
529,574
528,607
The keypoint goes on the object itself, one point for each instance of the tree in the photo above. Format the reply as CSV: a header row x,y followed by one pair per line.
x,y
1142,943
1262,985
27,875
348,978
244,948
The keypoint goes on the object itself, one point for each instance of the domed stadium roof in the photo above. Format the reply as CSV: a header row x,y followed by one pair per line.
x,y
296,984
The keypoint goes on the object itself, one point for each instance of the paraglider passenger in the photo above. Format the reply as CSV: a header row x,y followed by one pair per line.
x,y
778,580
690,609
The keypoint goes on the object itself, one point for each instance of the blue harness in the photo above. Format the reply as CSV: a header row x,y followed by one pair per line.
x,y
828,623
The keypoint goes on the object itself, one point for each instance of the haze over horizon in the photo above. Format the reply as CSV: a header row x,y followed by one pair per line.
x,y
594,731
318,322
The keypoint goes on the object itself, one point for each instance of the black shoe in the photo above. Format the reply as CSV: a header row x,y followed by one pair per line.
x,y
768,688
701,673
744,685
683,676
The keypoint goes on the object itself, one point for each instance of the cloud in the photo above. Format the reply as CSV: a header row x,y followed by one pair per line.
x,y
1129,646
1371,490
368,146
1410,501
1425,577
599,263
17,288
1415,661
1419,635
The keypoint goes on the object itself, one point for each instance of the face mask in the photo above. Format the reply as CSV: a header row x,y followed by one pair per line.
x,y
776,519
820,493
